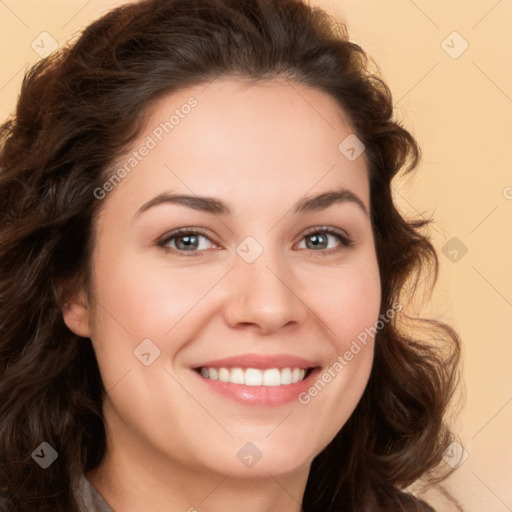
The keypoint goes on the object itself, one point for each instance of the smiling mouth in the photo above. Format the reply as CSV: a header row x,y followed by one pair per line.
x,y
270,377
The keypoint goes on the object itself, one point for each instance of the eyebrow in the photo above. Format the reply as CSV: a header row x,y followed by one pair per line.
x,y
218,207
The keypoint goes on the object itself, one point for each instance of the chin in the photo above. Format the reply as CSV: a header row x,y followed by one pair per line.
x,y
260,457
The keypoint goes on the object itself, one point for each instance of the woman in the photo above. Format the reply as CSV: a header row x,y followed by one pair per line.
x,y
204,275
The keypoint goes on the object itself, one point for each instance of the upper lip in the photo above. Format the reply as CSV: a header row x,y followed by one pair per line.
x,y
260,361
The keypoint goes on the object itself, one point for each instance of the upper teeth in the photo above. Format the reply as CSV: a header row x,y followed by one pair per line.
x,y
255,376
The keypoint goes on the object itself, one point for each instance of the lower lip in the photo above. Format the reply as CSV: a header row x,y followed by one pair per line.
x,y
260,395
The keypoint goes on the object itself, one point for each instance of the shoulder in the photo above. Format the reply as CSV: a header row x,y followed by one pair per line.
x,y
86,496
439,499
89,499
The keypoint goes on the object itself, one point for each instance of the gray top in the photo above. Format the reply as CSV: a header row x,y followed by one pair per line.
x,y
89,499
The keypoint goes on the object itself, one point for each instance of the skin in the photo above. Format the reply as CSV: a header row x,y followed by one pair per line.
x,y
172,444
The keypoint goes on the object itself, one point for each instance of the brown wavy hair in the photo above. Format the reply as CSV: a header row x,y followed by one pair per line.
x,y
78,111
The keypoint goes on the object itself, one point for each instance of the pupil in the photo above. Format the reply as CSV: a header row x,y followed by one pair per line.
x,y
316,239
187,239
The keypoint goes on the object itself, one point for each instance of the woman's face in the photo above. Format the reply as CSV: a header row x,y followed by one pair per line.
x,y
268,283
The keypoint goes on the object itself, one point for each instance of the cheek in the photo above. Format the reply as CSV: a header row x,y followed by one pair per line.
x,y
347,301
137,301
347,305
149,300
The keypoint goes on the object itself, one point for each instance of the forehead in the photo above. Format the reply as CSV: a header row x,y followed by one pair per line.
x,y
249,143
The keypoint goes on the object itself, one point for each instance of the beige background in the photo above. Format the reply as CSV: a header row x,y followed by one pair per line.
x,y
459,107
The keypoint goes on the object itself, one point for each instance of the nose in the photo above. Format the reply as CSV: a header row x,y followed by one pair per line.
x,y
264,294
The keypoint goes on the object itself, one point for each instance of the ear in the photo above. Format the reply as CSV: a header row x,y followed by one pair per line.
x,y
76,313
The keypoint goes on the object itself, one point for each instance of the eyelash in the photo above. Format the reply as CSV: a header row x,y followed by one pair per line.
x,y
343,238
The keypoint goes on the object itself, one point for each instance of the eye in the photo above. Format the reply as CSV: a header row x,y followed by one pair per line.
x,y
185,240
319,239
